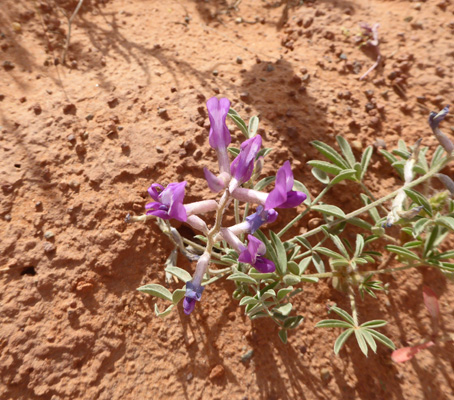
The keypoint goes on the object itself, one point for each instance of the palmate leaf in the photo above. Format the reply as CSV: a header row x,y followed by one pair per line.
x,y
330,154
157,291
325,166
340,341
343,314
361,341
365,160
239,122
349,174
346,150
403,252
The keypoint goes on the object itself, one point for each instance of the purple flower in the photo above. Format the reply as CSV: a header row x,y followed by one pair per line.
x,y
282,196
243,165
253,256
260,217
168,202
217,113
435,119
193,294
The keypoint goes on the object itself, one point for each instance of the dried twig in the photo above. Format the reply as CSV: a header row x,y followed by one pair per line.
x,y
68,36
372,31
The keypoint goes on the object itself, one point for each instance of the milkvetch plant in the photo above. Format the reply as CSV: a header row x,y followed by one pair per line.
x,y
269,268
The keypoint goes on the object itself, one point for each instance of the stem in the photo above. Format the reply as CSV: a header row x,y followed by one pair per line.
x,y
68,36
236,205
375,203
298,217
351,296
371,196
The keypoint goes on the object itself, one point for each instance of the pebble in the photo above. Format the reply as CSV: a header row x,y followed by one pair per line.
x,y
244,96
89,117
217,372
49,247
159,149
162,112
239,60
23,99
37,109
49,235
247,356
215,72
325,374
269,68
112,102
69,109
357,145
7,217
379,144
8,65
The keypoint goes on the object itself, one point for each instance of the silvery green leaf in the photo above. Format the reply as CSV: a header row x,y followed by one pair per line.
x,y
382,338
293,267
419,226
293,322
376,323
343,314
329,210
413,244
281,254
360,223
291,279
283,310
238,122
328,252
365,160
283,335
447,222
318,263
359,245
325,167
361,342
284,292
437,156
304,263
156,290
320,175
402,146
253,126
419,199
346,150
180,273
343,175
333,323
177,295
342,339
390,157
330,154
165,313
310,279
248,300
338,243
259,275
234,151
304,242
430,240
264,182
370,340
373,211
403,252
242,277
264,152
270,293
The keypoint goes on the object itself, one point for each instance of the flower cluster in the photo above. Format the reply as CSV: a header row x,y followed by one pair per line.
x,y
168,201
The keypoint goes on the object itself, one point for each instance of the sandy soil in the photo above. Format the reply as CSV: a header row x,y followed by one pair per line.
x,y
81,144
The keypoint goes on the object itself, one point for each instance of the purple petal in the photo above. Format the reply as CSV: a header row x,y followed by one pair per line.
x,y
260,217
217,113
174,193
154,190
214,183
264,265
188,305
159,214
245,257
153,205
435,119
255,246
294,199
272,216
243,165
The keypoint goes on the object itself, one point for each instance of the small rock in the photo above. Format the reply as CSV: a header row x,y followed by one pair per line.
x,y
162,112
173,89
215,72
357,145
37,109
69,109
239,60
49,247
49,235
2,97
112,102
7,217
38,205
244,96
325,374
247,356
74,64
17,27
269,68
89,117
71,138
189,376
217,372
314,223
23,99
75,185
84,286
159,149
379,144
8,65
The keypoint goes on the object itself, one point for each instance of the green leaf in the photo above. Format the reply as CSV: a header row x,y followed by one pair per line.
x,y
284,292
402,251
234,151
333,323
390,157
264,182
281,254
270,293
291,279
264,152
345,174
329,253
437,156
419,199
373,211
413,244
248,300
447,222
298,186
338,243
359,245
376,323
304,242
283,335
365,160
304,263
241,277
360,223
156,290
253,126
325,167
381,338
293,322
343,314
342,339
177,295
346,150
430,240
310,279
329,210
258,275
361,342
330,154
445,255
419,226
370,340
320,175
238,122
270,252
318,263
283,310
180,273
165,313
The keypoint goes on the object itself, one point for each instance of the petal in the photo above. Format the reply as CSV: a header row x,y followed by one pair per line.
x,y
154,205
217,113
178,212
214,183
243,165
245,257
255,246
264,265
294,199
435,119
159,214
287,172
272,216
188,305
154,190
